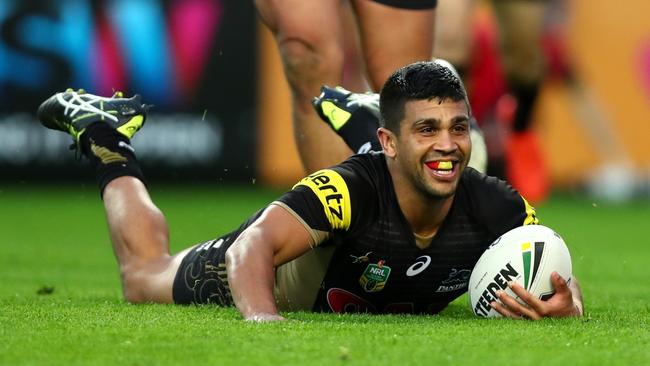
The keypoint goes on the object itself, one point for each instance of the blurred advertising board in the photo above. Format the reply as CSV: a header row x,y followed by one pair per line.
x,y
194,60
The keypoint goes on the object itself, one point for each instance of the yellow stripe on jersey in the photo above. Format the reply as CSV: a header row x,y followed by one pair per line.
x,y
531,215
333,193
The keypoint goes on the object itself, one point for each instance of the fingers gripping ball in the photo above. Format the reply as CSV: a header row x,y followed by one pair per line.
x,y
526,255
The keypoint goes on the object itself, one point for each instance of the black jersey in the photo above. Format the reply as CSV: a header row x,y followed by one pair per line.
x,y
376,265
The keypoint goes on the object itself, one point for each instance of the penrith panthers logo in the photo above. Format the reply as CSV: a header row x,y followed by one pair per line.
x,y
457,280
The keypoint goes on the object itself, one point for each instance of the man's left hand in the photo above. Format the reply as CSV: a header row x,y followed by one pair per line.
x,y
563,303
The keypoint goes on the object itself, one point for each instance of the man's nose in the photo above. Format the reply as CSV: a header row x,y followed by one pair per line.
x,y
445,143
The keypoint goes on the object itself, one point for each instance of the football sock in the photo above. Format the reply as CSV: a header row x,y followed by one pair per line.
x,y
111,154
360,131
526,95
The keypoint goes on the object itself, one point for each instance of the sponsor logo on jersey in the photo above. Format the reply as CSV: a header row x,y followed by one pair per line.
x,y
500,282
333,193
374,278
457,280
457,276
421,263
342,301
450,288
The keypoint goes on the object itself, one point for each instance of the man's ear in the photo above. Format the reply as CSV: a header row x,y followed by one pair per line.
x,y
388,141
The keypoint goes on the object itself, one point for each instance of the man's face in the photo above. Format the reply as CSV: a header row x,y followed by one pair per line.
x,y
433,147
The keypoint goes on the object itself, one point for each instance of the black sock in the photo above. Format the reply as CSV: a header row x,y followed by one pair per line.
x,y
360,132
526,96
111,154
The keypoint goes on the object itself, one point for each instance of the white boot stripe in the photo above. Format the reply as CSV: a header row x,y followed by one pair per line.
x,y
77,103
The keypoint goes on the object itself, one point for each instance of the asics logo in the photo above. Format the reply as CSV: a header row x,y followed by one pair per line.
x,y
365,148
420,265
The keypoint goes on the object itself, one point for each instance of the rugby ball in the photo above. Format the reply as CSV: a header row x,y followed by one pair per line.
x,y
526,255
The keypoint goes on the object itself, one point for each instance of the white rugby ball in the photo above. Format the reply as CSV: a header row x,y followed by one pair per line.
x,y
526,255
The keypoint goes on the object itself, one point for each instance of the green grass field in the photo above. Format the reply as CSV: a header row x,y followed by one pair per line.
x,y
56,239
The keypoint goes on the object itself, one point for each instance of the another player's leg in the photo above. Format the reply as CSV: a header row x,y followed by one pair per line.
x,y
355,117
308,34
102,128
453,33
392,37
520,23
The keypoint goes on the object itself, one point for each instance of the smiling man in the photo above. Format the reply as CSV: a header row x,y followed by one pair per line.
x,y
391,232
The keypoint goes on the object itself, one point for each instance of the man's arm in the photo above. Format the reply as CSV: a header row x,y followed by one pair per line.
x,y
275,238
567,301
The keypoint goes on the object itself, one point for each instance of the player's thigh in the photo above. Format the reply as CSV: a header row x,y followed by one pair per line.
x,y
308,33
453,32
392,37
520,28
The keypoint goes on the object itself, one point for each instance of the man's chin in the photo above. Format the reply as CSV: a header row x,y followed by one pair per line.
x,y
442,194
436,192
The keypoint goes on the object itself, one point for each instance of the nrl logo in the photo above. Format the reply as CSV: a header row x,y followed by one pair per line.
x,y
375,276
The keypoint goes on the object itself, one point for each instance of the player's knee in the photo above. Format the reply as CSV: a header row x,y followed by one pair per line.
x,y
133,284
308,65
132,295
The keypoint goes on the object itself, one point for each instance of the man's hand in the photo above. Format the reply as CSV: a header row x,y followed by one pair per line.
x,y
567,301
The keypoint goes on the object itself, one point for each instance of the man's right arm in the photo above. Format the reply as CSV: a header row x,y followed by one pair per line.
x,y
275,238
301,219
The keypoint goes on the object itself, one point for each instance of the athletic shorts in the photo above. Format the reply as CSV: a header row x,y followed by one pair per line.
x,y
201,277
410,4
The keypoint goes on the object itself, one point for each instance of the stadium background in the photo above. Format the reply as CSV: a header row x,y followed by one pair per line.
x,y
221,126
221,103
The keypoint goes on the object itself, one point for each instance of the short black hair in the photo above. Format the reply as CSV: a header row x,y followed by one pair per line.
x,y
417,81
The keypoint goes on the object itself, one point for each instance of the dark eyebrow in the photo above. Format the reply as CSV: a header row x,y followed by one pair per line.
x,y
428,121
436,122
460,119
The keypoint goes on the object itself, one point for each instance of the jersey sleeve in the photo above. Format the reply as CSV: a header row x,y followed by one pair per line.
x,y
497,204
329,201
